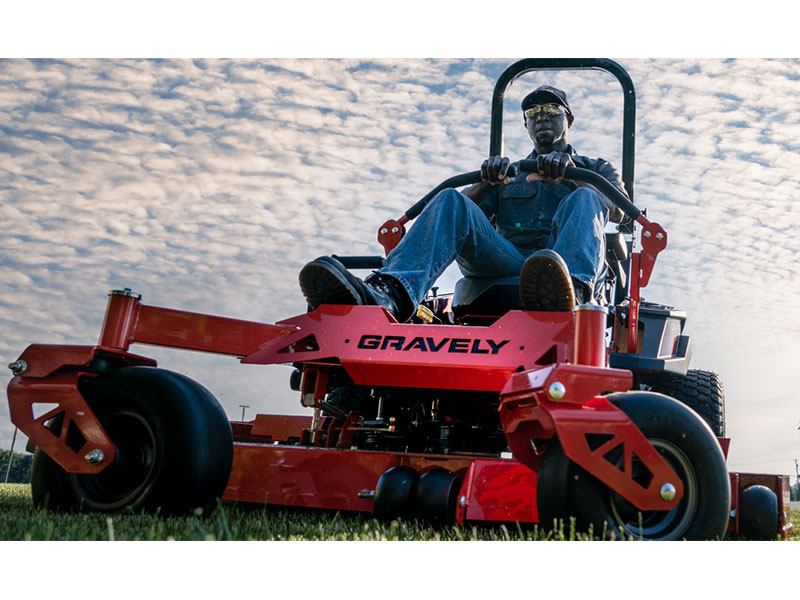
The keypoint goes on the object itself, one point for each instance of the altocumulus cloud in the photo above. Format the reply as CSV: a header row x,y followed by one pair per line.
x,y
207,184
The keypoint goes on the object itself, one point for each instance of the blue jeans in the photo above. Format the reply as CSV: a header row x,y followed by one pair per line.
x,y
452,227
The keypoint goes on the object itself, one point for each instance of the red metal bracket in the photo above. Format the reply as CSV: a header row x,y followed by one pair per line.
x,y
653,240
313,385
42,360
391,232
604,419
524,420
633,306
565,400
345,438
95,452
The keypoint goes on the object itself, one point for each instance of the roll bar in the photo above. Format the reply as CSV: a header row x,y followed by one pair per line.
x,y
526,65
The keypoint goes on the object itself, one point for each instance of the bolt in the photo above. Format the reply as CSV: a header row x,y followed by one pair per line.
x,y
556,390
647,233
18,367
462,501
384,231
395,229
659,236
94,457
667,491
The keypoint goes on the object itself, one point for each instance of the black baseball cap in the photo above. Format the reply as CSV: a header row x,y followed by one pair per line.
x,y
544,94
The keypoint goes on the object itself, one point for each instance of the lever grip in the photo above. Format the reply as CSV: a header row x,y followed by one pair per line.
x,y
529,166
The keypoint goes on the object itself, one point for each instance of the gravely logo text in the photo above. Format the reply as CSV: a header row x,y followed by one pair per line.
x,y
429,344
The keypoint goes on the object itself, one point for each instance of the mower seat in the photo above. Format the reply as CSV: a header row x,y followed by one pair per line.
x,y
486,296
494,296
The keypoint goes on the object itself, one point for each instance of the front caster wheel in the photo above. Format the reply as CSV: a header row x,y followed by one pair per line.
x,y
565,490
174,448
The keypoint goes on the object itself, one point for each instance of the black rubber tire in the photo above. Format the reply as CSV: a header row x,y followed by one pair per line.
x,y
393,493
702,391
436,497
174,441
48,482
759,518
565,490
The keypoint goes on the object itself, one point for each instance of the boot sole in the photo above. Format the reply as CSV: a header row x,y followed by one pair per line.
x,y
545,284
323,283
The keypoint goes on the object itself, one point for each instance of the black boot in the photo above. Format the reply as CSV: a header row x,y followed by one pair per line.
x,y
545,284
326,281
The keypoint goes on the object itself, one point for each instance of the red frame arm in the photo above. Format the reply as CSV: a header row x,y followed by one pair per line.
x,y
128,321
653,240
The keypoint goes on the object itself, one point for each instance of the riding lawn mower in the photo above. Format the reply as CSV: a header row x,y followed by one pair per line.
x,y
474,410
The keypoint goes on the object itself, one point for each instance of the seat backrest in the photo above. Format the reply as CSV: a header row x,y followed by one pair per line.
x,y
616,261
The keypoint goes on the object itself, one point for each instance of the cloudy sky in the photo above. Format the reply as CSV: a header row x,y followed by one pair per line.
x,y
207,184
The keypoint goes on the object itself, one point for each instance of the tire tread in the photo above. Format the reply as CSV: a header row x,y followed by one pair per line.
x,y
702,391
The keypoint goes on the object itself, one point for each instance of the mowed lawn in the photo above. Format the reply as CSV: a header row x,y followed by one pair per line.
x,y
20,521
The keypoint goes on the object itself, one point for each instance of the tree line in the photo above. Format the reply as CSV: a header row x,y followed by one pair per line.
x,y
20,467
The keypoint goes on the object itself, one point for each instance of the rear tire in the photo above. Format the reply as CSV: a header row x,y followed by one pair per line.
x,y
174,448
702,391
566,490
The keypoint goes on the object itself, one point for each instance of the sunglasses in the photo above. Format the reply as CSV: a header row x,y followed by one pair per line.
x,y
551,108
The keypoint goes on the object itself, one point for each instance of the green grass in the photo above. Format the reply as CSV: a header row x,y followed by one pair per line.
x,y
20,521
